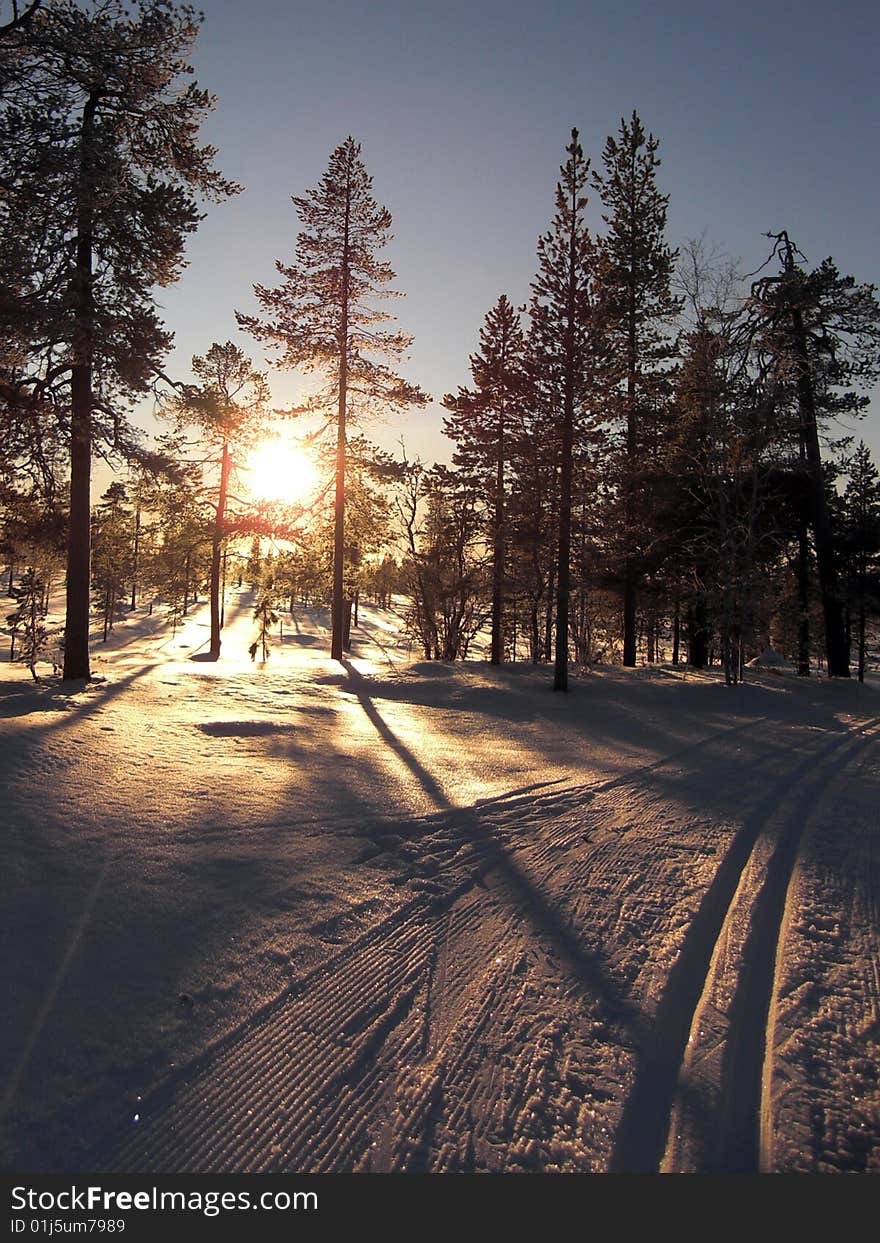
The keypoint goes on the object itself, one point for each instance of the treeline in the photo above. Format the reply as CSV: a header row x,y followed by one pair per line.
x,y
638,466
641,465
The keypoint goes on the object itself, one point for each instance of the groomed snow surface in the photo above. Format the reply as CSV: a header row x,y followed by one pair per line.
x,y
392,915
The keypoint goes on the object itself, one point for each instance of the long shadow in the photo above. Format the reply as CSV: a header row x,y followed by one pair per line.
x,y
53,699
644,1126
418,770
587,967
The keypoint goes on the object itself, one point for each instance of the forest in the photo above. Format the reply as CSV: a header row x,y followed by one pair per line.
x,y
647,464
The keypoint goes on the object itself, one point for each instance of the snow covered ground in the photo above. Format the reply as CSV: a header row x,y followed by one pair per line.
x,y
401,916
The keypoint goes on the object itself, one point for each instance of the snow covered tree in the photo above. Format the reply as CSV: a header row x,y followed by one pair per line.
x,y
98,146
564,329
322,318
483,421
226,408
638,307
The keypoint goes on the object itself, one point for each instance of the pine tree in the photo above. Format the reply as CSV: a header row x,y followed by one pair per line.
x,y
320,318
265,617
638,307
862,535
483,422
820,332
112,552
26,622
565,331
99,148
226,408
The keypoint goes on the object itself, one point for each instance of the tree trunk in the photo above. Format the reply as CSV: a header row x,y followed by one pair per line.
x,y
497,648
76,629
803,597
217,553
862,615
338,604
563,569
676,632
698,634
835,647
630,643
136,564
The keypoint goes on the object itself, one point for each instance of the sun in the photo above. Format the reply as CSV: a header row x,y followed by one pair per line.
x,y
278,470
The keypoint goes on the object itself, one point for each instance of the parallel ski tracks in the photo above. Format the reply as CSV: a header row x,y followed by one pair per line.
x,y
675,1120
348,1068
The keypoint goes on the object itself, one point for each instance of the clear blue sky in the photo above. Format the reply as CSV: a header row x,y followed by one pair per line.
x,y
767,115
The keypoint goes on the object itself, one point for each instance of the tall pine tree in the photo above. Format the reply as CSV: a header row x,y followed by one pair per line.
x,y
483,422
819,332
638,307
862,534
98,136
226,408
564,329
321,318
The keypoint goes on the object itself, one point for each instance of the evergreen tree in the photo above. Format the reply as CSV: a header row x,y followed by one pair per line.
x,y
862,539
112,552
320,318
565,331
265,617
819,332
26,622
226,408
483,422
638,307
99,148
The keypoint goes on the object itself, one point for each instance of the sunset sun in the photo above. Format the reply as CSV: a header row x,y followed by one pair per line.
x,y
280,471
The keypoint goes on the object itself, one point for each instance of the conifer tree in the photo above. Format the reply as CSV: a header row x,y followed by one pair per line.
x,y
226,409
638,307
320,318
265,617
565,330
112,552
483,422
862,534
26,622
99,147
820,334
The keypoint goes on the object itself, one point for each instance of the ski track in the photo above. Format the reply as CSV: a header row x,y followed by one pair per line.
x,y
673,968
713,1017
474,1030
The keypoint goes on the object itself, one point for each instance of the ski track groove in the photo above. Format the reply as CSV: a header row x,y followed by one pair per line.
x,y
647,1140
283,1091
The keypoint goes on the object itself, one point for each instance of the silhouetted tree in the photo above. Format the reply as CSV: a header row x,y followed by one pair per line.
x,y
99,146
226,409
564,329
821,333
483,421
862,544
320,318
638,307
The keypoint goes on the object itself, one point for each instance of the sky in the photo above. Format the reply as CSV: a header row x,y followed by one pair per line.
x,y
766,115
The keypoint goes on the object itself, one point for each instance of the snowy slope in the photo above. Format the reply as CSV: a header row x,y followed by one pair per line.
x,y
395,915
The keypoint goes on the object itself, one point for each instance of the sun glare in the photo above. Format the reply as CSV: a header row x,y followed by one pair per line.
x,y
280,471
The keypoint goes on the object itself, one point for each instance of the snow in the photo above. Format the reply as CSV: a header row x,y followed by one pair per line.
x,y
397,915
